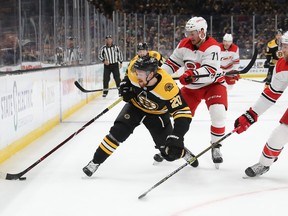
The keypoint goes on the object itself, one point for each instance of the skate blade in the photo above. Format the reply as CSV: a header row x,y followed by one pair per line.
x,y
217,165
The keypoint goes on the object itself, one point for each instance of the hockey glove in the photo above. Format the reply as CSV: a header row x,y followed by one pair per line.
x,y
231,79
173,148
245,121
126,90
187,77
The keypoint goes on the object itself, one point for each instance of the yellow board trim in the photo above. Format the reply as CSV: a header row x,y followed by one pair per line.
x,y
253,75
24,141
27,139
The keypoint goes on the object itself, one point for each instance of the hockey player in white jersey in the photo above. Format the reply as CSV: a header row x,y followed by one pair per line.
x,y
200,54
279,136
229,59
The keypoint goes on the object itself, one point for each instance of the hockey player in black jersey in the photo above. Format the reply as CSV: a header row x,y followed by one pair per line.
x,y
273,53
152,96
143,50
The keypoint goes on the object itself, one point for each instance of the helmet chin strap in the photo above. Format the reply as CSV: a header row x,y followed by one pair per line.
x,y
202,38
154,75
148,80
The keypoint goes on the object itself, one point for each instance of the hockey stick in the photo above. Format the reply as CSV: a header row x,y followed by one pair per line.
x,y
9,176
77,84
244,71
189,162
252,80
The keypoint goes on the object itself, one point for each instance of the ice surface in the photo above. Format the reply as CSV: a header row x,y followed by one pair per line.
x,y
57,186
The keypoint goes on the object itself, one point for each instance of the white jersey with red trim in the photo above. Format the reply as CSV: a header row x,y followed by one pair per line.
x,y
205,59
230,58
277,86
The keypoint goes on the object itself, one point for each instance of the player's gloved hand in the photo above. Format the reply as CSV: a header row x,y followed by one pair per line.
x,y
245,120
173,148
231,79
187,77
236,77
126,90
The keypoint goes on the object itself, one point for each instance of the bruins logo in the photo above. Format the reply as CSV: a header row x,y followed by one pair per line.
x,y
127,116
279,54
147,104
168,87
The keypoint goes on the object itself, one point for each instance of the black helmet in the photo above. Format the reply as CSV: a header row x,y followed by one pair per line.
x,y
279,31
146,63
142,46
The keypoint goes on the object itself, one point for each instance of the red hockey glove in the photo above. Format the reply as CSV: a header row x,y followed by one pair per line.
x,y
231,79
236,77
187,77
245,121
173,148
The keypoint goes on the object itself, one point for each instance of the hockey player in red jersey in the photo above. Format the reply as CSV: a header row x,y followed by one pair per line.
x,y
229,59
200,54
279,136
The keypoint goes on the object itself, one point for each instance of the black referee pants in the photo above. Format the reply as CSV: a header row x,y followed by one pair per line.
x,y
108,69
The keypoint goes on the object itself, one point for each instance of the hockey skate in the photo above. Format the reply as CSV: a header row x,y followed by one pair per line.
x,y
188,156
216,156
256,170
90,168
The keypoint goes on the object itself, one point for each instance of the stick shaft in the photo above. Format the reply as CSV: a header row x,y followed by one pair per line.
x,y
184,165
252,80
16,176
78,85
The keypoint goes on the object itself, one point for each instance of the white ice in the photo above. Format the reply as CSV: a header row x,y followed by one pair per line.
x,y
57,186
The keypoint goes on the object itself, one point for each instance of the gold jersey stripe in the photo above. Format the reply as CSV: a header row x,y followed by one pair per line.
x,y
182,116
113,145
183,110
105,149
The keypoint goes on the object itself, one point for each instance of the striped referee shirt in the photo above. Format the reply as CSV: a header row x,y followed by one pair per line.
x,y
112,54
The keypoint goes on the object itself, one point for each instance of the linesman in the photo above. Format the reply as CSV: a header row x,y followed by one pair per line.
x,y
112,57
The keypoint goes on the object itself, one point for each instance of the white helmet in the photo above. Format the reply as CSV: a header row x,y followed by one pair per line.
x,y
196,23
228,37
284,38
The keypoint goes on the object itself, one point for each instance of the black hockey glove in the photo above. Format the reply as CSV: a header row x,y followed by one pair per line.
x,y
126,90
173,148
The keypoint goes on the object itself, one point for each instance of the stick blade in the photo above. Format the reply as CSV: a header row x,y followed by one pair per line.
x,y
9,176
142,195
77,84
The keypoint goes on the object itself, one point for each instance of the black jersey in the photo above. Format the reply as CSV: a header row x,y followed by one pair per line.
x,y
160,98
273,52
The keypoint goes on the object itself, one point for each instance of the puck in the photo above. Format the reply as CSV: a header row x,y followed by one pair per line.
x,y
22,178
158,158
